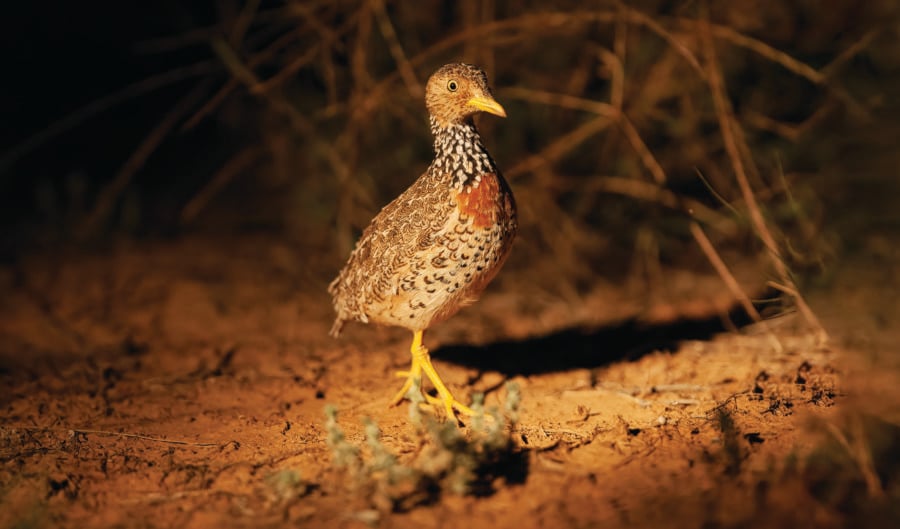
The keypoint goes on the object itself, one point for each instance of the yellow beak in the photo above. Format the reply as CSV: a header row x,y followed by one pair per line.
x,y
487,104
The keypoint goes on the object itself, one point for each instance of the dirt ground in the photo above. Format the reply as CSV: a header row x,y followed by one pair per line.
x,y
183,383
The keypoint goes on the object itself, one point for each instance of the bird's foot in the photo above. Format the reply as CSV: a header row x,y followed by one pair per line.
x,y
421,365
451,404
404,390
444,400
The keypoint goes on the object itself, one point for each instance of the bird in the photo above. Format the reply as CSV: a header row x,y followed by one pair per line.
x,y
434,248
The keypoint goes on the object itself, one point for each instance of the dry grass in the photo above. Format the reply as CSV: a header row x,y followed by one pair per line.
x,y
614,112
623,92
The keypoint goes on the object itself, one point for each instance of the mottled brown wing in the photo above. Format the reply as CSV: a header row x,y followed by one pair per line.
x,y
387,249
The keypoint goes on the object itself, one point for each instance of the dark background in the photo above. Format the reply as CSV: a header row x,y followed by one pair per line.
x,y
85,84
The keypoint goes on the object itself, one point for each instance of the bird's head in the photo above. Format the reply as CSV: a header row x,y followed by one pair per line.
x,y
456,91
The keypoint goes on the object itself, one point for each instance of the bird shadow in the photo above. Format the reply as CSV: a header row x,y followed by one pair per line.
x,y
587,348
574,348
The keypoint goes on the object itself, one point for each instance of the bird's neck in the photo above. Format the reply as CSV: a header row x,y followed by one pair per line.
x,y
459,155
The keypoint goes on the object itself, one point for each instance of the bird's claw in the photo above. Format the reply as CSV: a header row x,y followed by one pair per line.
x,y
445,402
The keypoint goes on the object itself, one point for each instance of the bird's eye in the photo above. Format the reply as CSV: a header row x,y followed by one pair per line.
x,y
452,86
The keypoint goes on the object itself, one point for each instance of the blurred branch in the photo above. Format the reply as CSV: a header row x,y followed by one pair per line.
x,y
617,85
387,31
790,63
728,126
575,137
804,309
760,48
326,36
239,162
170,43
110,194
860,452
334,158
234,65
559,148
219,97
651,192
852,51
643,152
731,135
561,100
788,131
291,69
536,22
201,36
243,74
638,17
242,23
732,283
97,106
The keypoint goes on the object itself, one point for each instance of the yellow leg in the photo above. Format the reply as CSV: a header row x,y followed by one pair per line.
x,y
421,363
414,373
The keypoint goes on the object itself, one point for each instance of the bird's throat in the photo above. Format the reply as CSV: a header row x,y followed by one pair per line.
x,y
459,155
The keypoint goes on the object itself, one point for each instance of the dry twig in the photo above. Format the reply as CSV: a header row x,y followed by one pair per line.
x,y
239,162
732,283
390,35
117,434
103,104
110,194
730,132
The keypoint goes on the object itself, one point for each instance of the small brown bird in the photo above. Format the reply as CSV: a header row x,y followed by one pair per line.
x,y
435,248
